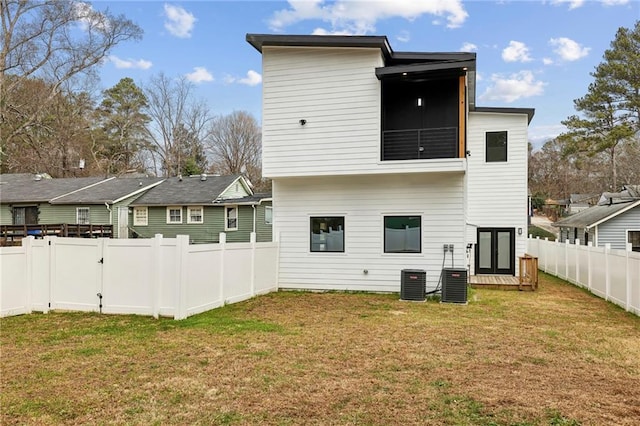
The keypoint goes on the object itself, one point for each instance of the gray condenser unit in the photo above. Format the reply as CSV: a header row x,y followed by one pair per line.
x,y
454,285
413,284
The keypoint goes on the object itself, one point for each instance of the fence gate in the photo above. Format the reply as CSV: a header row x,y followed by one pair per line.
x,y
76,274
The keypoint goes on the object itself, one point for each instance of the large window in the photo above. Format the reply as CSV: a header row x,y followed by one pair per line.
x,y
195,214
496,149
268,215
633,238
174,214
327,234
140,216
402,234
82,216
231,218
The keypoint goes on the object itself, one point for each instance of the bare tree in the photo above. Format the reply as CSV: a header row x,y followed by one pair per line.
x,y
173,114
235,145
56,41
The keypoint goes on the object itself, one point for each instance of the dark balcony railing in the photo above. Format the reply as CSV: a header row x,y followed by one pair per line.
x,y
415,144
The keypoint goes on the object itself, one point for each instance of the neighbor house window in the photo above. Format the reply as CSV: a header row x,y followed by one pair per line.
x,y
496,148
140,216
402,234
174,214
268,215
25,215
327,234
231,218
195,214
82,216
633,238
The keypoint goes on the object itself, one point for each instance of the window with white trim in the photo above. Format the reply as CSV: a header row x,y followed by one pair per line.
x,y
140,216
174,214
633,238
268,215
82,216
195,214
231,218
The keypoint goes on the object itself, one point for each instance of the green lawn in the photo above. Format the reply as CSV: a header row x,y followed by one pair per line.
x,y
558,356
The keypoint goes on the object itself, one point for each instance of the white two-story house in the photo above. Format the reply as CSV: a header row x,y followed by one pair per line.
x,y
381,162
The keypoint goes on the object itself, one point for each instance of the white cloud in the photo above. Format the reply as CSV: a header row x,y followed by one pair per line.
x,y
403,37
538,135
547,61
322,31
141,64
516,86
199,75
516,52
468,47
573,4
253,78
360,17
614,2
568,50
179,22
89,18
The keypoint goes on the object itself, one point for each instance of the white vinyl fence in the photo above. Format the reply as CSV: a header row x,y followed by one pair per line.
x,y
157,276
613,275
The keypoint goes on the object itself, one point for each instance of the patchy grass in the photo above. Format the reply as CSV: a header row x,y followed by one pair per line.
x,y
558,356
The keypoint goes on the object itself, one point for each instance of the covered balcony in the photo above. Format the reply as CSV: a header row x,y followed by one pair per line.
x,y
424,110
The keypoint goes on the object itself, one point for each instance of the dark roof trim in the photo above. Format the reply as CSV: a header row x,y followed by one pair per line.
x,y
435,56
394,71
500,110
258,41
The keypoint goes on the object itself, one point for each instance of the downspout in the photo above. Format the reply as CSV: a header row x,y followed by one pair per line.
x,y
254,218
109,210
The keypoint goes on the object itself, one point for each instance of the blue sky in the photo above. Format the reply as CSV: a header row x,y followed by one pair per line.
x,y
534,54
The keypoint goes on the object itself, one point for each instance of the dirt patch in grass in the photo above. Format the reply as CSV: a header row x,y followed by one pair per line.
x,y
557,356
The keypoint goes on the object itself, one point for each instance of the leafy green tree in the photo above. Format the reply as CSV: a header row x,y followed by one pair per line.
x,y
122,122
611,107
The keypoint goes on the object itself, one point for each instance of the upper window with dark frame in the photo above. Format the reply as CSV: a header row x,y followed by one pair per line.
x,y
496,147
402,234
327,234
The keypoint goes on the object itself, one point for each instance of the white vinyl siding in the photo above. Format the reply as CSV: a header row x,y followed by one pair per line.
x,y
497,191
364,201
336,92
140,216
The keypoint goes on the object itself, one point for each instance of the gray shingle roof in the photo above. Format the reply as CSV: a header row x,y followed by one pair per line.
x,y
186,191
589,217
18,189
109,191
251,199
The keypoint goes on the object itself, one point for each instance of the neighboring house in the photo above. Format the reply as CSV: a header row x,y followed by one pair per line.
x,y
24,198
580,202
613,221
106,203
381,161
202,207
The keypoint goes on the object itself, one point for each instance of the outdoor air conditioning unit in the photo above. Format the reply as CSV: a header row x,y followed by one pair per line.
x,y
454,285
413,284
